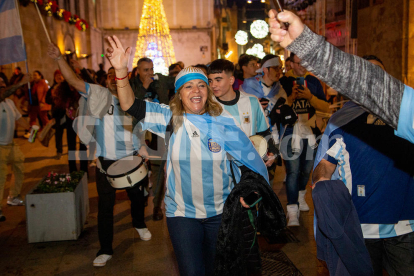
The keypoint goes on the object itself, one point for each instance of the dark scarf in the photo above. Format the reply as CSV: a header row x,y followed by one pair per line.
x,y
271,220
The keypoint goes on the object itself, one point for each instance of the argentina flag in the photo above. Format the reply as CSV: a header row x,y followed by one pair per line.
x,y
11,37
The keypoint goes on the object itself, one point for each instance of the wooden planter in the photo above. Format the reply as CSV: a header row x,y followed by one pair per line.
x,y
57,216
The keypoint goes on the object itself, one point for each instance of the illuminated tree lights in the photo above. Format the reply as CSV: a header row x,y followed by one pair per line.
x,y
154,39
259,29
241,37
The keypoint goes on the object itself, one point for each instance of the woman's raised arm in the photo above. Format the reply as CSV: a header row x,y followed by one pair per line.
x,y
118,57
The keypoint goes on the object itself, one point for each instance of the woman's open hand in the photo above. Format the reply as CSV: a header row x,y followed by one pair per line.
x,y
116,54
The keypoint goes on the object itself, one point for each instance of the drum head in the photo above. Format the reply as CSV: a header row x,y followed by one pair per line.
x,y
124,165
260,144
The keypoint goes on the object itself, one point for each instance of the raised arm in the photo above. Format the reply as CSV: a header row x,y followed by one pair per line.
x,y
67,72
323,171
361,81
118,57
13,88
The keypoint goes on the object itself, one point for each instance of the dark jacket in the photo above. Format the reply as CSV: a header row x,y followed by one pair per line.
x,y
271,220
339,239
157,89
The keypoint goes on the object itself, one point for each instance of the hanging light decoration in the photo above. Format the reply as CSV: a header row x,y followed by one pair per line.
x,y
154,39
259,29
256,50
241,37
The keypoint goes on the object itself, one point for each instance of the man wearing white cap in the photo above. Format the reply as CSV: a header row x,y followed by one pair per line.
x,y
267,88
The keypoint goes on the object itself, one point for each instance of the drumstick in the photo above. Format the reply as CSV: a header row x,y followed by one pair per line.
x,y
153,157
276,3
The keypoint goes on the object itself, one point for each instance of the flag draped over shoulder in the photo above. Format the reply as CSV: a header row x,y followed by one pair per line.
x,y
229,136
11,37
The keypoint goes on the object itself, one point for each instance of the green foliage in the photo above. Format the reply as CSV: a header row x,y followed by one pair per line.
x,y
59,183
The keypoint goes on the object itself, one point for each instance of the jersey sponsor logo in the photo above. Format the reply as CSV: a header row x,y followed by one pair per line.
x,y
213,146
195,134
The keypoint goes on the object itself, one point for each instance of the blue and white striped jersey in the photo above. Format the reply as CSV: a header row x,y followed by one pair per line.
x,y
248,112
117,134
370,230
405,127
198,182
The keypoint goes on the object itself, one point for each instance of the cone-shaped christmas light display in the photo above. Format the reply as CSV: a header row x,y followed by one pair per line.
x,y
154,39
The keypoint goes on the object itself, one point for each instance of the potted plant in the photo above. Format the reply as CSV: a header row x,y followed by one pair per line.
x,y
56,209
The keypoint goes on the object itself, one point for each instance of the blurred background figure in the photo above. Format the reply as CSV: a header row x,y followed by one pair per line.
x,y
38,105
58,111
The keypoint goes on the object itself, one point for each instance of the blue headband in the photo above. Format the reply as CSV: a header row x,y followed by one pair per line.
x,y
190,76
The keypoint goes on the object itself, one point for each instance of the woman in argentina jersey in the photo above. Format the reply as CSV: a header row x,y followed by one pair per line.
x,y
198,170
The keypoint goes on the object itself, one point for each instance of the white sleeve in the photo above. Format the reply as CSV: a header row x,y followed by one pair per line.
x,y
16,112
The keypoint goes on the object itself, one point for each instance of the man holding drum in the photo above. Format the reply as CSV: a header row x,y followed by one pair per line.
x,y
114,132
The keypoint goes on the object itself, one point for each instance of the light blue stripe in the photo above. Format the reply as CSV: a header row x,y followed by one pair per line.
x,y
207,173
171,206
411,222
254,110
261,119
185,175
157,128
387,230
6,5
405,119
100,136
234,111
11,49
87,89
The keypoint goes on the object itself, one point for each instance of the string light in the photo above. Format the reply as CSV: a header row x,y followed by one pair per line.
x,y
154,39
256,50
259,29
241,37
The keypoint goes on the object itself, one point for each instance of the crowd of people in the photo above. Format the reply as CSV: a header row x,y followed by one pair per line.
x,y
198,121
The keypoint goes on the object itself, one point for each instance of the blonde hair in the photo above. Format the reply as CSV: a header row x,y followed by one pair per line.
x,y
212,107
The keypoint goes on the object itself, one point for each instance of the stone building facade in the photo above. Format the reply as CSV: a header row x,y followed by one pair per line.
x,y
386,30
67,37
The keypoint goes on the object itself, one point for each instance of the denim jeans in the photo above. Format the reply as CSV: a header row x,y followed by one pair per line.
x,y
194,242
395,255
298,168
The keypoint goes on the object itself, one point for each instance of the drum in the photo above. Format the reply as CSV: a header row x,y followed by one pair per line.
x,y
126,172
260,144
